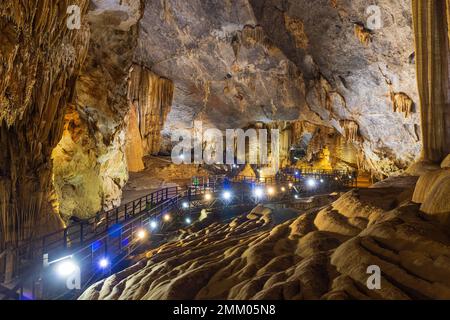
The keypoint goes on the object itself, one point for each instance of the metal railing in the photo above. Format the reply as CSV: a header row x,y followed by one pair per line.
x,y
112,233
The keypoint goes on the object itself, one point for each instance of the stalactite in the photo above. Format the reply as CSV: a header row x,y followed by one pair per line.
x,y
153,97
296,28
350,130
37,83
324,91
431,41
401,102
362,34
252,35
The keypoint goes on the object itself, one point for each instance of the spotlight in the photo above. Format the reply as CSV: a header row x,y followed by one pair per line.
x,y
227,195
321,180
297,173
311,183
188,220
296,196
271,191
283,189
336,178
66,268
167,217
291,185
185,205
103,263
141,234
153,225
208,197
349,177
258,192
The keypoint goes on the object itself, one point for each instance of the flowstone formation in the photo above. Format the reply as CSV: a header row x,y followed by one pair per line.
x,y
321,254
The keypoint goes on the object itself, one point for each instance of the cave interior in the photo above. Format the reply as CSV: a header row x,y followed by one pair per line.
x,y
352,101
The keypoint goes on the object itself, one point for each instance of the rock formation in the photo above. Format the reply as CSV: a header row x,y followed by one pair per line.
x,y
90,166
321,254
40,61
432,76
152,96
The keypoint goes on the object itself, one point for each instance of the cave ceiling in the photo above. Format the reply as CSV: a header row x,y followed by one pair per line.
x,y
238,62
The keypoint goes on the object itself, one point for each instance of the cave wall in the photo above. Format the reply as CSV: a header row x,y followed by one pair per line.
x,y
39,64
90,167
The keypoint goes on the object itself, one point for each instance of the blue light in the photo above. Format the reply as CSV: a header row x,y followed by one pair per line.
x,y
227,195
115,231
96,245
103,263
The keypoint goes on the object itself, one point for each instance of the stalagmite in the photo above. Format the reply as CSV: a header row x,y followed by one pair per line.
x,y
431,42
153,97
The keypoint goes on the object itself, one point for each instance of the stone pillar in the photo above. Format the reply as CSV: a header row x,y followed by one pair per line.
x,y
432,63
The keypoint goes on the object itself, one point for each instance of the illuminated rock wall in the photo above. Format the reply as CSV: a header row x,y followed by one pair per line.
x,y
39,63
90,167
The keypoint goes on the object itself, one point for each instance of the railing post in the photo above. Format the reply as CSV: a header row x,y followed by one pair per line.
x,y
81,233
65,238
107,220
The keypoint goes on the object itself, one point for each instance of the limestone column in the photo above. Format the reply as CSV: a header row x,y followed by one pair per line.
x,y
432,54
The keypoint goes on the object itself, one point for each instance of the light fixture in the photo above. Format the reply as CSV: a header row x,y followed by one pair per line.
x,y
103,263
167,217
227,195
208,197
153,225
270,191
141,234
336,178
311,183
296,196
297,173
258,192
283,189
182,156
291,185
188,220
185,205
66,267
321,180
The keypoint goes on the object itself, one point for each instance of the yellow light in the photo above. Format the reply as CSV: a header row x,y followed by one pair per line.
x,y
208,197
141,234
283,189
271,191
167,217
291,185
